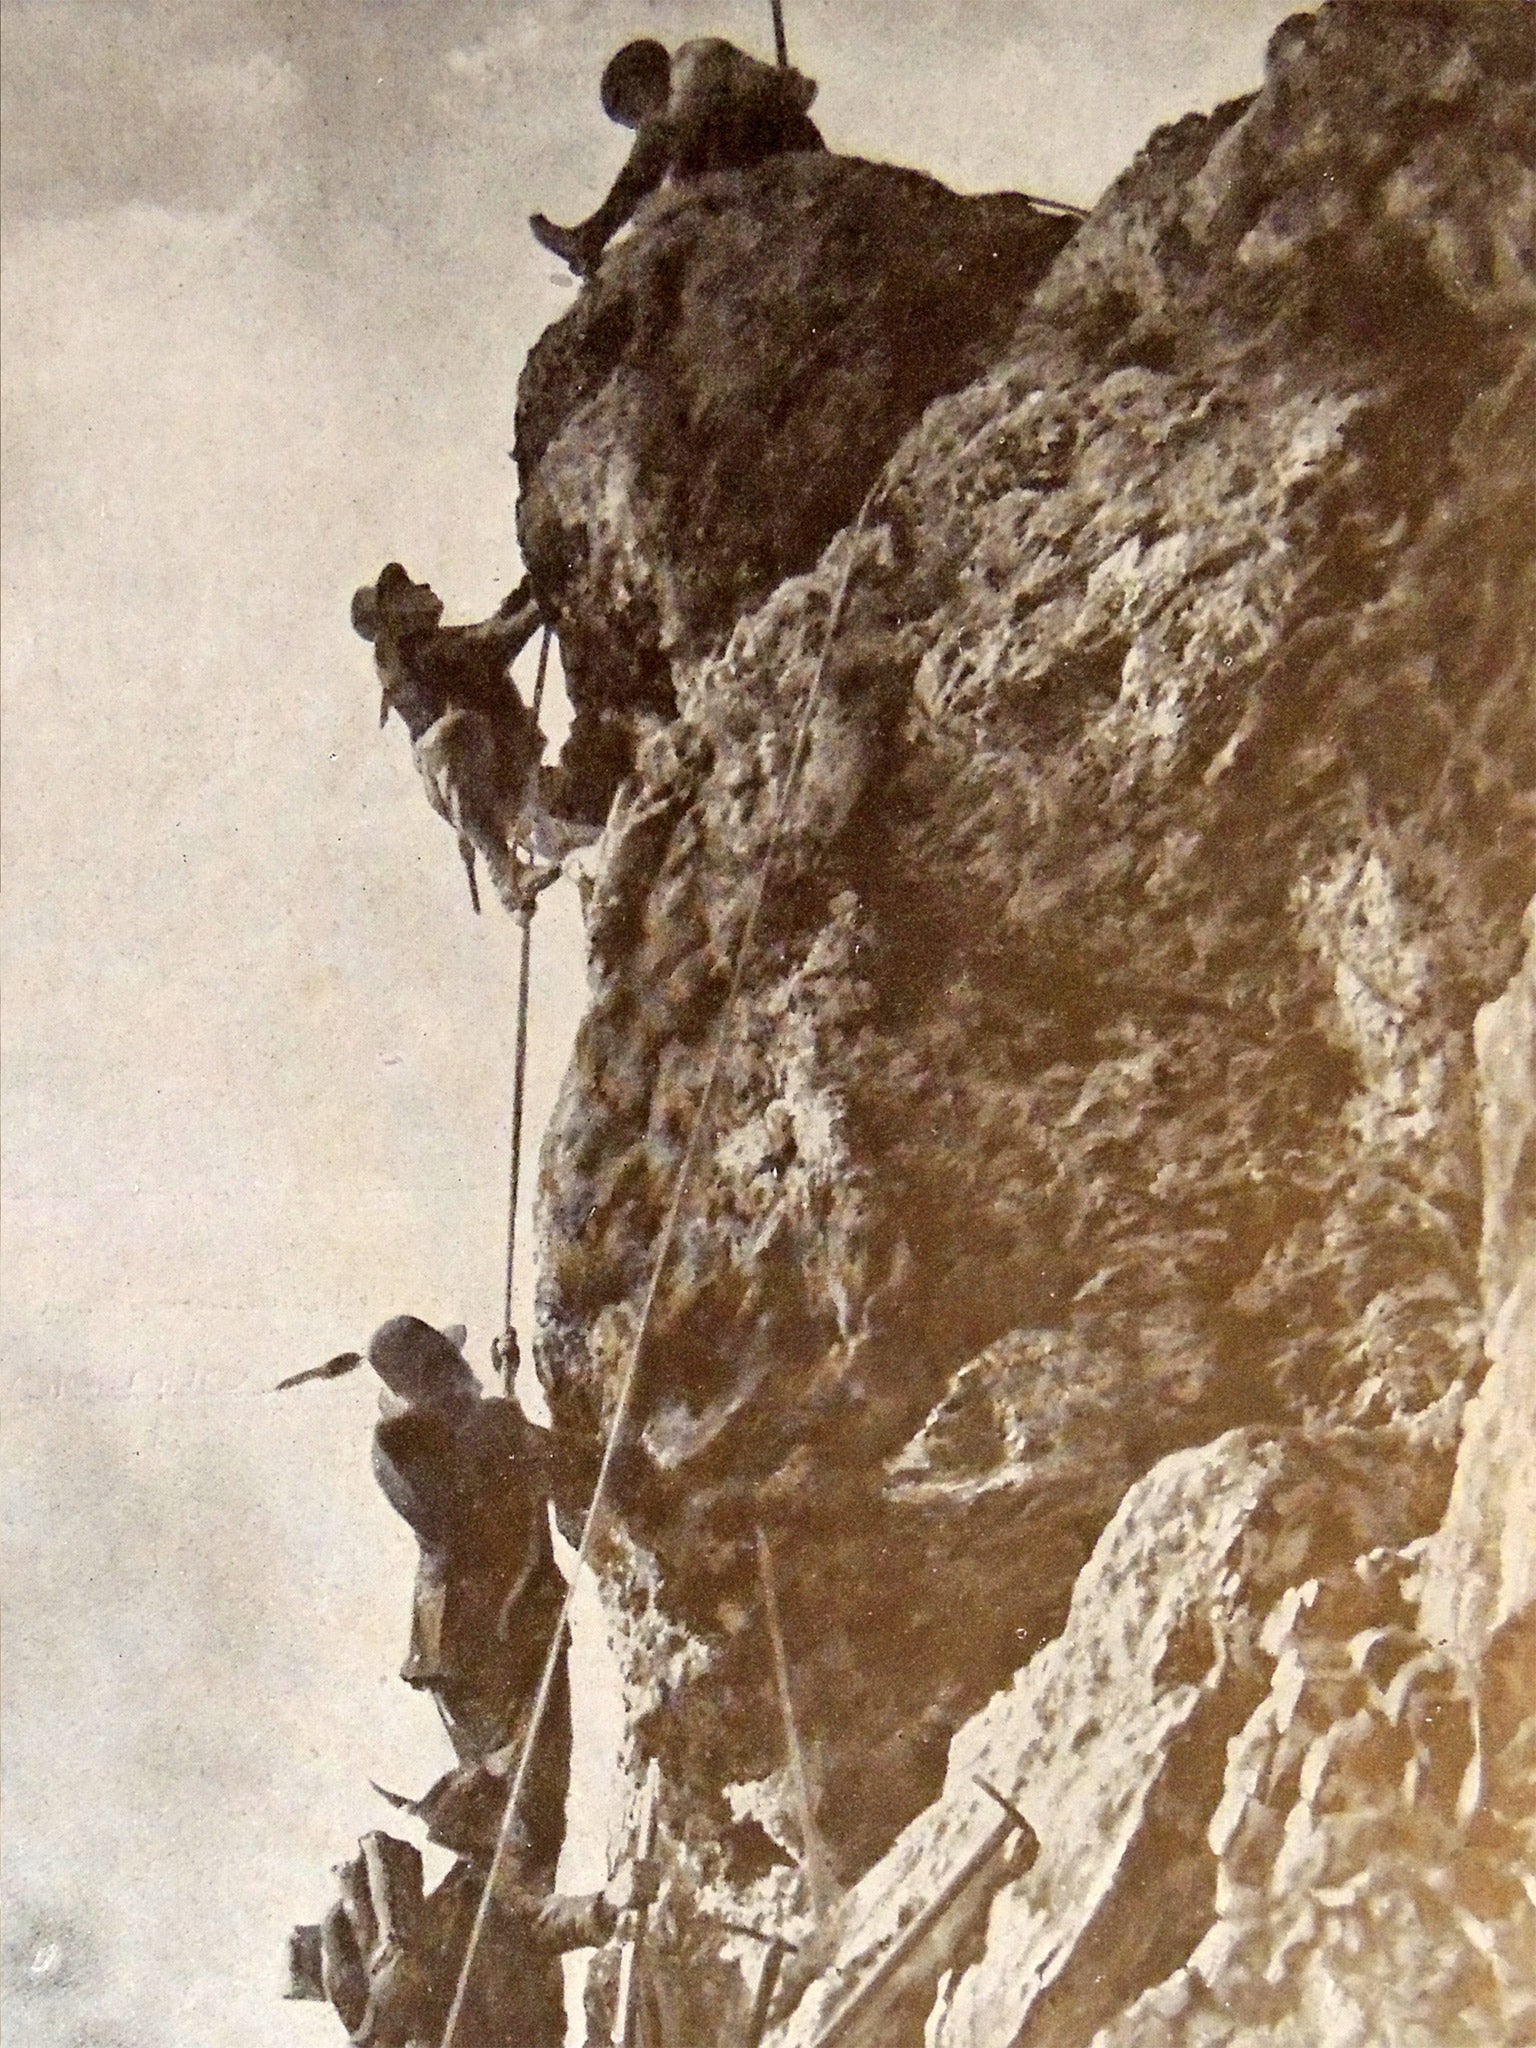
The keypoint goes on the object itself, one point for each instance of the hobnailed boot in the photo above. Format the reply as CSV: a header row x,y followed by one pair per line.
x,y
569,244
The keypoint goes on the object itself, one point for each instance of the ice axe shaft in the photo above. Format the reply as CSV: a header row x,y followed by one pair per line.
x,y
767,1984
810,1840
1009,1823
626,2017
776,1947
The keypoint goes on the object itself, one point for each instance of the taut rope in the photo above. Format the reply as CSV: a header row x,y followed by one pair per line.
x,y
653,1287
520,1056
519,1073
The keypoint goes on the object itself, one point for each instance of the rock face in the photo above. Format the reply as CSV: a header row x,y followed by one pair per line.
x,y
719,400
1482,1571
1081,1281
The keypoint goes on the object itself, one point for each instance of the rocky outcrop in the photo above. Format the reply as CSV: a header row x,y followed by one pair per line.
x,y
1121,1727
1281,1803
722,395
1371,1849
1083,1288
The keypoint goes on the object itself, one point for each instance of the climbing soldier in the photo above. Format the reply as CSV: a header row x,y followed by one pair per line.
x,y
709,107
472,1477
476,744
388,1954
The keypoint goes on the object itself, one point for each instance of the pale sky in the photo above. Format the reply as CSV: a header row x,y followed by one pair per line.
x,y
268,286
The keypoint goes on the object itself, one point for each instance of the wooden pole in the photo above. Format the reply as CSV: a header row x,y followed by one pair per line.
x,y
780,41
626,2016
815,1856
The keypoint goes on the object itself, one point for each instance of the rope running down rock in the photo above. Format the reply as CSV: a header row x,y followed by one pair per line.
x,y
668,1232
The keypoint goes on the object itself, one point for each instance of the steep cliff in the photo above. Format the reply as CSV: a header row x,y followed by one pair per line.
x,y
1082,1288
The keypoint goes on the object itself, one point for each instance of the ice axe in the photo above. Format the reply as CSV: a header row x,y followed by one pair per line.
x,y
333,1369
817,1874
1011,1825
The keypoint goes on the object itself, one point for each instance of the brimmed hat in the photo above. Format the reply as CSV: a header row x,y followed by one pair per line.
x,y
394,595
414,1360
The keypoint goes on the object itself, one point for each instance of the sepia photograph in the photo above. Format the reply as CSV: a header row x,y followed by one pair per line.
x,y
768,1272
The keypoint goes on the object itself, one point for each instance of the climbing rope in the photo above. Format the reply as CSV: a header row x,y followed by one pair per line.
x,y
519,1072
520,1062
538,681
680,1186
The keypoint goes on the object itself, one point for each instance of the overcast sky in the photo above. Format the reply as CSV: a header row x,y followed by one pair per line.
x,y
268,287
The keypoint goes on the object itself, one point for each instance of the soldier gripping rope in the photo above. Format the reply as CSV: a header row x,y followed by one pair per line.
x,y
472,1477
388,1955
476,745
706,107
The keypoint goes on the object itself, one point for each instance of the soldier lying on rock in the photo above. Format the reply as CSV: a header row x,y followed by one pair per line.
x,y
476,745
472,1477
710,107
